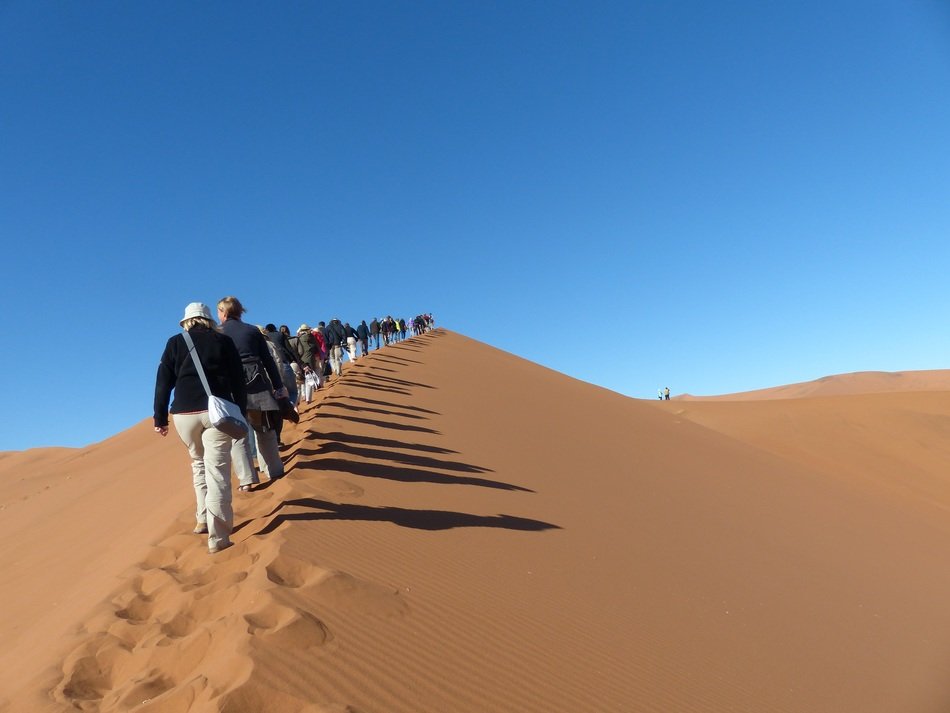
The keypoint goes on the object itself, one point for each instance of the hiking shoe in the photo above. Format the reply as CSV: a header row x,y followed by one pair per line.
x,y
218,547
201,528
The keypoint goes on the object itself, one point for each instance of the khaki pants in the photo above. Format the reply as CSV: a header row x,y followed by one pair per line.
x,y
210,451
243,460
336,359
268,453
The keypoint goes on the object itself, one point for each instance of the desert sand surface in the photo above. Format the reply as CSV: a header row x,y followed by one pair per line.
x,y
859,382
463,531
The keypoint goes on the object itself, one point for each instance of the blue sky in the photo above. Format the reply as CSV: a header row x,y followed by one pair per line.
x,y
713,197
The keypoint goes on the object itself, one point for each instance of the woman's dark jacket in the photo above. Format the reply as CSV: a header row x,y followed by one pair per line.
x,y
306,347
261,373
176,370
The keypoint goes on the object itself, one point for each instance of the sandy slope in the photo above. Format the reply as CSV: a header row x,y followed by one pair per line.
x,y
465,531
859,382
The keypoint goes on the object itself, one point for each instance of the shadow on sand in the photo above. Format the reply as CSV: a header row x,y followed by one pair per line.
x,y
403,474
415,519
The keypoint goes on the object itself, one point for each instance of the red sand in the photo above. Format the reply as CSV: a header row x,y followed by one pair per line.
x,y
464,531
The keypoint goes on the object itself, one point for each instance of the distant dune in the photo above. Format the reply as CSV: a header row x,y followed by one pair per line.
x,y
860,382
463,531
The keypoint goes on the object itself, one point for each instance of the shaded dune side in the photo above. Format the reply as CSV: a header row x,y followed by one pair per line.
x,y
462,530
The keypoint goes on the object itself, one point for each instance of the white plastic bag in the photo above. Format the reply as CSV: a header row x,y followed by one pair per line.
x,y
311,380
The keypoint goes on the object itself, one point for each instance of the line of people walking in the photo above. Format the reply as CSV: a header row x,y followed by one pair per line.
x,y
264,371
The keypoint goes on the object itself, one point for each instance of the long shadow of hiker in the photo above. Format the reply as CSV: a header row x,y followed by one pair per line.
x,y
403,475
341,437
374,422
367,409
415,519
377,402
395,457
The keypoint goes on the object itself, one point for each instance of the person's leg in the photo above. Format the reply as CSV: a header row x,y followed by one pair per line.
x,y
217,446
278,427
290,381
336,359
242,459
189,427
268,454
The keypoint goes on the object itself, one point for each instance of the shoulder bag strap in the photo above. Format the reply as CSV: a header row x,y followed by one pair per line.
x,y
194,356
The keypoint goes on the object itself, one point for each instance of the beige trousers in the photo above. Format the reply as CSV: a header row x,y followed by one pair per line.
x,y
210,451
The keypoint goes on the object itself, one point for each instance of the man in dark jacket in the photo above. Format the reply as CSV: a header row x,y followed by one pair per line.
x,y
374,331
336,338
362,333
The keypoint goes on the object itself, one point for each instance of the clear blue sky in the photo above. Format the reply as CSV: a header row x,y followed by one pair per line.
x,y
710,196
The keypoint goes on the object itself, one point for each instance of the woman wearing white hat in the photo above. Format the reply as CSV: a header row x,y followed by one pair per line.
x,y
210,449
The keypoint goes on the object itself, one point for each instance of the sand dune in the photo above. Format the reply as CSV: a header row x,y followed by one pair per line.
x,y
462,530
859,382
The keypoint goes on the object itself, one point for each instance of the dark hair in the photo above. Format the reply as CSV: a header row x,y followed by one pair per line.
x,y
284,329
270,327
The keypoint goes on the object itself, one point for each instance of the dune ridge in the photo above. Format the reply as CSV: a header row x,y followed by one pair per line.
x,y
858,382
463,530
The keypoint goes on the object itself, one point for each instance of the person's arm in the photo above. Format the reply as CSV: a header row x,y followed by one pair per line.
x,y
164,383
235,374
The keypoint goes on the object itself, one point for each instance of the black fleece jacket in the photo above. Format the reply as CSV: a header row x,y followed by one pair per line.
x,y
176,370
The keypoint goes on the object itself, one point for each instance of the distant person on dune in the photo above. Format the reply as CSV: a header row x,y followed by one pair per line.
x,y
351,340
374,331
209,448
362,333
321,352
306,350
666,393
659,394
336,339
288,360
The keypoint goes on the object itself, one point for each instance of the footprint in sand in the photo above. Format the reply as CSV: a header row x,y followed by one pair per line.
x,y
278,625
345,592
287,571
221,574
133,607
146,687
179,626
89,670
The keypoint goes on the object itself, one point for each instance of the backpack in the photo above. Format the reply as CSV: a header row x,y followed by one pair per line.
x,y
320,342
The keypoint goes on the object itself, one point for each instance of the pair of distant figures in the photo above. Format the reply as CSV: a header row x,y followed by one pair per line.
x,y
664,394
